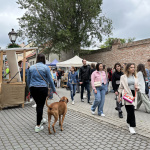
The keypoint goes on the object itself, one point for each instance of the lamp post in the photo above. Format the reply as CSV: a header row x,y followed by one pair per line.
x,y
12,36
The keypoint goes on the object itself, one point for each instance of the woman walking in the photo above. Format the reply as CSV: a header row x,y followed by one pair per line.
x,y
141,95
39,77
98,81
129,86
115,83
72,82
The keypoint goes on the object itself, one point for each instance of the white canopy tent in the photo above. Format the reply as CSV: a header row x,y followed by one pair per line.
x,y
76,61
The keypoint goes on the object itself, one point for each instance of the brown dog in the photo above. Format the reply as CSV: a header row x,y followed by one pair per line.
x,y
57,109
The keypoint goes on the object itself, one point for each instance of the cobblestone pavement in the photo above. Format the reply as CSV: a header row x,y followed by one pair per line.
x,y
142,118
81,132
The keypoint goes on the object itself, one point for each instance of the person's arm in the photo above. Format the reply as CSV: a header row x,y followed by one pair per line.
x,y
28,77
89,73
77,77
80,74
92,81
50,80
120,89
114,83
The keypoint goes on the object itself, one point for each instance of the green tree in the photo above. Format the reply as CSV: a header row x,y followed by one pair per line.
x,y
63,24
109,42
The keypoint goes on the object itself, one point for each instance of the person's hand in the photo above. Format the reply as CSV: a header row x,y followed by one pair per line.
x,y
95,91
116,93
119,99
81,82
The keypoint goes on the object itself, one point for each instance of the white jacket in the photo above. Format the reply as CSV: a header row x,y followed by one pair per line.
x,y
124,88
141,82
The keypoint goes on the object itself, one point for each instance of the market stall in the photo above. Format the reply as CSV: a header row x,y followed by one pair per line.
x,y
76,61
12,90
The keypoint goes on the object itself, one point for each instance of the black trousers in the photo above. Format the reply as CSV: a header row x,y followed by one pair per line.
x,y
130,113
39,94
85,85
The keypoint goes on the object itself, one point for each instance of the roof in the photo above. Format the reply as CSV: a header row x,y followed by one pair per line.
x,y
18,50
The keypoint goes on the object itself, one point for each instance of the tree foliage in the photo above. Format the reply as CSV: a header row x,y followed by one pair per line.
x,y
109,42
63,24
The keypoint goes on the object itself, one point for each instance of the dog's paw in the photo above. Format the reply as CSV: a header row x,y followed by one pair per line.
x,y
62,129
50,132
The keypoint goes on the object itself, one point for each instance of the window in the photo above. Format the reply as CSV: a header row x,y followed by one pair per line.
x,y
31,63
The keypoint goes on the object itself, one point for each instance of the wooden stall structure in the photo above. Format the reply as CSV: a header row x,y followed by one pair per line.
x,y
13,93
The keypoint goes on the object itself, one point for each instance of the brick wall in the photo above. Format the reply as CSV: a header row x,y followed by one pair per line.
x,y
136,52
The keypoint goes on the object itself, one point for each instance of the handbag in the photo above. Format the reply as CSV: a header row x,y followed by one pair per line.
x,y
49,93
129,99
97,84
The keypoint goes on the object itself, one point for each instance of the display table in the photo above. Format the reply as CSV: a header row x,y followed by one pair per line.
x,y
12,94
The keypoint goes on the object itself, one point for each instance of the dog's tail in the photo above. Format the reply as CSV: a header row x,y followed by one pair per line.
x,y
46,102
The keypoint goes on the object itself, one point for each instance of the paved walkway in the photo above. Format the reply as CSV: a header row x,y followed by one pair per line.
x,y
81,132
142,118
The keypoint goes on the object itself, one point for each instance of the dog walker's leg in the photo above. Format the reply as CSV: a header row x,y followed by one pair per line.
x,y
59,120
56,118
49,121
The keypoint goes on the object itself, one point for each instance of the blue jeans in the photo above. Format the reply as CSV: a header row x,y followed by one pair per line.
x,y
99,99
73,90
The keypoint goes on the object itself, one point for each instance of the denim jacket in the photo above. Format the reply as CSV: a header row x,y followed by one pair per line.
x,y
73,78
35,80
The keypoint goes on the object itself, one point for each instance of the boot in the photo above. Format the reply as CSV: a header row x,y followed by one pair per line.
x,y
120,115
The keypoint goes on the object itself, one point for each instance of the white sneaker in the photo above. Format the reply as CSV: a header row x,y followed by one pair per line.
x,y
26,102
103,115
93,112
31,99
43,121
34,105
132,131
37,129
72,102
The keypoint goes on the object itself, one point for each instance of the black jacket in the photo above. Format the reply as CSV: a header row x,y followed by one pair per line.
x,y
116,77
85,73
59,74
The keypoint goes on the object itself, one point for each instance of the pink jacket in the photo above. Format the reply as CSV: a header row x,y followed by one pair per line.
x,y
95,77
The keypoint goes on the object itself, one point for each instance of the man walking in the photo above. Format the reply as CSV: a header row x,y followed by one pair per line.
x,y
84,79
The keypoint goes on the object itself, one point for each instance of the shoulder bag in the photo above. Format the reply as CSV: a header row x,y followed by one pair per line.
x,y
129,99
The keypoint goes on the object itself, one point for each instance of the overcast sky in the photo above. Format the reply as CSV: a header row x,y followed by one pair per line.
x,y
130,18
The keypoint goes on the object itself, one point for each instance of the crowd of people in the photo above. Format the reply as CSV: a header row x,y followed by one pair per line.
x,y
126,81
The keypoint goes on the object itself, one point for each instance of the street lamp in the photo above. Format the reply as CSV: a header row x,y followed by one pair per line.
x,y
12,36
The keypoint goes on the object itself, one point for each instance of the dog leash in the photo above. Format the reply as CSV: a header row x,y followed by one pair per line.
x,y
57,95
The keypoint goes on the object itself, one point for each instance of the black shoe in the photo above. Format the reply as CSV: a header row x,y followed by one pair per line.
x,y
116,108
120,115
82,100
